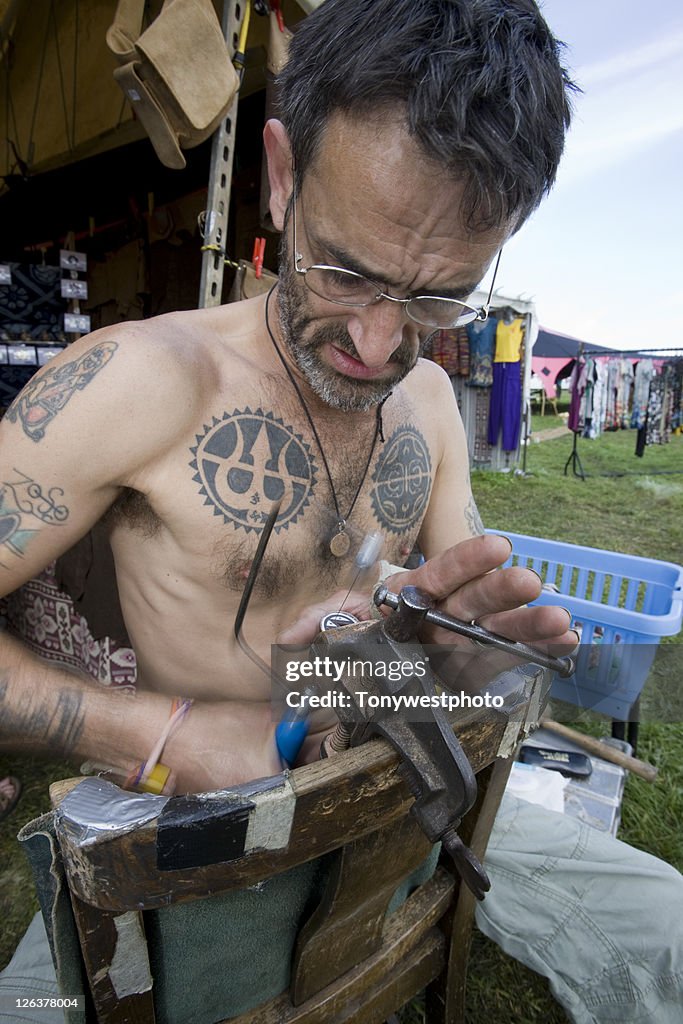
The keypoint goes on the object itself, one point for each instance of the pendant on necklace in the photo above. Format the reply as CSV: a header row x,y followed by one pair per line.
x,y
340,542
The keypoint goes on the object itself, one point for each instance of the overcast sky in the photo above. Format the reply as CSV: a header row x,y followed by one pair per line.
x,y
603,256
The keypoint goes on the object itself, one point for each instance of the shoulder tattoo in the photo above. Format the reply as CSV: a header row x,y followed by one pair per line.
x,y
22,502
402,481
44,395
246,461
473,519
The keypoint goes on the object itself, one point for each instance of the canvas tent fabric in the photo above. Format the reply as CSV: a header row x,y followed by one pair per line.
x,y
59,102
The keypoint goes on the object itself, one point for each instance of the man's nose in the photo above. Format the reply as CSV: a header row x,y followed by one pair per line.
x,y
377,331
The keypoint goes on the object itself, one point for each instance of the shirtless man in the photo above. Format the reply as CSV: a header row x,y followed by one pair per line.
x,y
419,146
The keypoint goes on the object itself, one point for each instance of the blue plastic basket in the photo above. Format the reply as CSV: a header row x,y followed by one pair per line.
x,y
623,605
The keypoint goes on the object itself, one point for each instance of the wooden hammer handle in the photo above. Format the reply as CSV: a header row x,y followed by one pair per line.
x,y
643,769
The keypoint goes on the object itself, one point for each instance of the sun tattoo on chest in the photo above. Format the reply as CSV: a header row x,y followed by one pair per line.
x,y
402,481
247,460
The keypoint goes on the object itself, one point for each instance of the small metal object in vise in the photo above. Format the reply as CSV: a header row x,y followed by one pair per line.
x,y
435,766
563,666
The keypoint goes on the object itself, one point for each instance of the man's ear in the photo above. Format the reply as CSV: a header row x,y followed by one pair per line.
x,y
280,175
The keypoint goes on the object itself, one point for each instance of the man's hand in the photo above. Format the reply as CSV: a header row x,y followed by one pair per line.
x,y
467,583
221,744
307,626
464,584
225,743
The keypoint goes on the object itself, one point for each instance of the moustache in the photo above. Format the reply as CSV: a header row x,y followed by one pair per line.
x,y
337,335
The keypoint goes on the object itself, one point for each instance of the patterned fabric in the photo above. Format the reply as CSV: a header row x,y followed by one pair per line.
x,y
677,391
660,408
482,338
45,620
618,393
12,380
32,304
644,372
481,448
451,350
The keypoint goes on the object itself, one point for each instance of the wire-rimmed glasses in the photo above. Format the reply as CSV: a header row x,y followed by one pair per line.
x,y
347,288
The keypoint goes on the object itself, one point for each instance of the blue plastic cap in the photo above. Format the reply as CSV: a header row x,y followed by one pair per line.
x,y
289,737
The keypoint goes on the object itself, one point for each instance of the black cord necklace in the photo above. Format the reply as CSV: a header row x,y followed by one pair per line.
x,y
340,542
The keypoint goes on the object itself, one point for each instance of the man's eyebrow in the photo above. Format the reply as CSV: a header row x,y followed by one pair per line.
x,y
346,261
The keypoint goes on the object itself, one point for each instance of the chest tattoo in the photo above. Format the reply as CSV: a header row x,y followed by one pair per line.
x,y
402,481
246,461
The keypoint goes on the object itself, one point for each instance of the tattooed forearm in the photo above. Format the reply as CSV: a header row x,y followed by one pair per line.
x,y
30,499
48,392
473,519
22,501
56,730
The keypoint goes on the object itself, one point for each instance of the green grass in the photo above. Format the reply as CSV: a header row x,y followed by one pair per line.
x,y
18,902
550,420
639,512
617,512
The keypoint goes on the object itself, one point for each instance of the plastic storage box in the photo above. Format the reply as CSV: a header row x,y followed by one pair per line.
x,y
623,605
597,799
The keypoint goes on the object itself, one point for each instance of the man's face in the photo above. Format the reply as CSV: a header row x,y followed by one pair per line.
x,y
318,346
372,203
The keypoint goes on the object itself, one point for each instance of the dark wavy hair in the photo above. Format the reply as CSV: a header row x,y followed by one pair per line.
x,y
480,82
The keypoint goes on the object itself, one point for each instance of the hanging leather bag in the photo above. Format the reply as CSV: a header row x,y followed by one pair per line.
x,y
177,74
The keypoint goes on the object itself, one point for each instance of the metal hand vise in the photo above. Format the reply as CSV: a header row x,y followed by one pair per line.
x,y
435,766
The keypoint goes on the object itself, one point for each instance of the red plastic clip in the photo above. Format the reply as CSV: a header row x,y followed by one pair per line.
x,y
258,255
275,6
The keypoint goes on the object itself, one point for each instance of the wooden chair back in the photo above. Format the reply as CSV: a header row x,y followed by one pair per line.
x,y
352,962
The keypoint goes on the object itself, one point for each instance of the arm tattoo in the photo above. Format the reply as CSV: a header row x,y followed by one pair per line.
x,y
48,392
21,500
473,519
59,729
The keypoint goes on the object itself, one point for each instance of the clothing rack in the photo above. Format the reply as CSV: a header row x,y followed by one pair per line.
x,y
574,459
634,353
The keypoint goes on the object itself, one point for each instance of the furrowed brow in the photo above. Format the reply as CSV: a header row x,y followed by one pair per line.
x,y
346,261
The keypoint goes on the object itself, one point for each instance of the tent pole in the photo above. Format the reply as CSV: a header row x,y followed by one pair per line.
x,y
220,179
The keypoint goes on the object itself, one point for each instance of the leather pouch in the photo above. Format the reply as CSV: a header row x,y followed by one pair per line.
x,y
177,74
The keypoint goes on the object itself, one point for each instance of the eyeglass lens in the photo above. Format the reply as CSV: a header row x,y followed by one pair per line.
x,y
349,289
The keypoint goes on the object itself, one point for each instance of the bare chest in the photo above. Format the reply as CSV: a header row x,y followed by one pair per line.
x,y
208,501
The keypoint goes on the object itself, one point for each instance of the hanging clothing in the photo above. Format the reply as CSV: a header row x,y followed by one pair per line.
x,y
623,393
482,339
644,373
677,396
658,410
595,399
577,386
451,350
505,411
611,384
509,338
